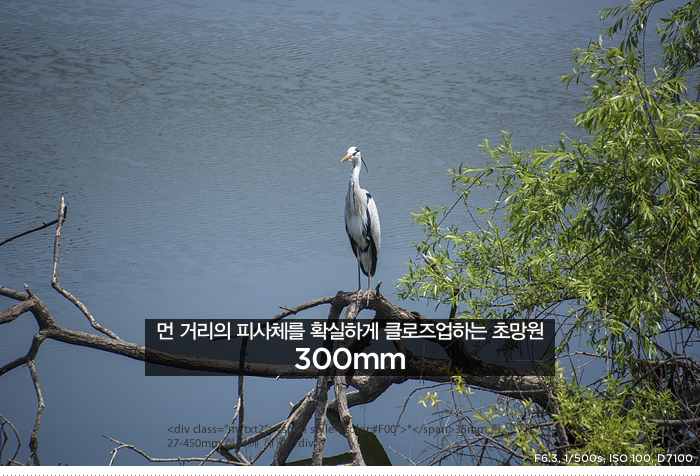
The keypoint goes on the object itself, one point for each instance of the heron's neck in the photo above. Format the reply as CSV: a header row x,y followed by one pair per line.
x,y
354,193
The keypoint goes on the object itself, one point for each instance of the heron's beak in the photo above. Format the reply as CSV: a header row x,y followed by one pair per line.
x,y
345,158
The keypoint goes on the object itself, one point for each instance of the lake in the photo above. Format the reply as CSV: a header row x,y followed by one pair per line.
x,y
198,146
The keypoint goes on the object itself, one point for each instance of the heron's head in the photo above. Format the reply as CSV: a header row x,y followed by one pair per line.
x,y
355,156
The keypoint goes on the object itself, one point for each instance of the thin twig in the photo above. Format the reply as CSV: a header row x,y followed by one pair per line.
x,y
163,460
41,227
301,307
676,423
418,389
258,436
241,400
278,429
295,427
221,441
54,277
5,439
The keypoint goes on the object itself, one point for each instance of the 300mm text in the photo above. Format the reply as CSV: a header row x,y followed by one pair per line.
x,y
342,359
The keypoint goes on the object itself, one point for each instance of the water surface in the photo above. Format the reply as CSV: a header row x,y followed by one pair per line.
x,y
198,147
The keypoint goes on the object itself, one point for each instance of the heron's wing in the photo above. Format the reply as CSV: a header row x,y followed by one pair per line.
x,y
353,244
374,229
356,229
374,236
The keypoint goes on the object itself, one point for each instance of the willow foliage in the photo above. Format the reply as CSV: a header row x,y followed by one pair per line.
x,y
601,232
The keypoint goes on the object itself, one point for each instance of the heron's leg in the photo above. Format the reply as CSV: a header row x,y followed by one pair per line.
x,y
369,289
359,278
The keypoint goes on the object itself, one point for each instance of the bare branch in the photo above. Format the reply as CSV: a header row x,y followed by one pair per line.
x,y
13,293
482,375
54,278
258,436
163,460
239,411
345,425
277,429
240,408
41,227
218,448
26,358
4,421
34,441
301,307
12,313
676,423
320,420
294,427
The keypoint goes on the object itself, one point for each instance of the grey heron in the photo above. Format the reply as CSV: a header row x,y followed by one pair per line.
x,y
361,221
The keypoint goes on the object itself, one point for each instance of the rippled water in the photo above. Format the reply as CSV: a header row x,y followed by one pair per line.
x,y
197,145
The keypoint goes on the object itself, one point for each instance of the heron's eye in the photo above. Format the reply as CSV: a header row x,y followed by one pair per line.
x,y
357,150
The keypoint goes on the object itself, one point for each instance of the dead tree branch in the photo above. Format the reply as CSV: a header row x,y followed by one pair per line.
x,y
41,227
498,379
320,420
182,461
4,421
34,440
240,407
345,425
54,278
294,427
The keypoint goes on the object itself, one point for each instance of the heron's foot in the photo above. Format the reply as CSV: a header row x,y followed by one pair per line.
x,y
368,293
360,293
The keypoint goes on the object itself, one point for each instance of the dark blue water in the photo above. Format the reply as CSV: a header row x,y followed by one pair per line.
x,y
198,147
